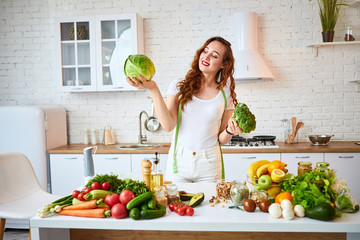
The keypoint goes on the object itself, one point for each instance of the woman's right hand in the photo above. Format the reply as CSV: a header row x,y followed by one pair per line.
x,y
143,84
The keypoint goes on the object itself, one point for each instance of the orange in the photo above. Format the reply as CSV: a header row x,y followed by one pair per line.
x,y
282,196
276,164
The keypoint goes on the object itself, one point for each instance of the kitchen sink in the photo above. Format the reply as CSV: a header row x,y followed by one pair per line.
x,y
137,146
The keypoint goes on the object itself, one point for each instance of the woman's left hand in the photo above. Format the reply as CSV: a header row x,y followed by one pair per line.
x,y
233,127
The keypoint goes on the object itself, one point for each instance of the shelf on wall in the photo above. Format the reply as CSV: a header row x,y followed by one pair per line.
x,y
316,46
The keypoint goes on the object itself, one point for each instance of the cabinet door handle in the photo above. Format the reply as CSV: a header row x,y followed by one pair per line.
x,y
71,158
113,158
248,157
302,156
346,156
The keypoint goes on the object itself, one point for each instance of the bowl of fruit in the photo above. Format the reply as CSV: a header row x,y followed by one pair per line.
x,y
264,175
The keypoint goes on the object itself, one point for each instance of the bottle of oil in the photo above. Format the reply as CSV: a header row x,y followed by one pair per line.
x,y
156,177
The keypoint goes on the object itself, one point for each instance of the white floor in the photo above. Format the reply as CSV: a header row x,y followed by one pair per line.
x,y
16,234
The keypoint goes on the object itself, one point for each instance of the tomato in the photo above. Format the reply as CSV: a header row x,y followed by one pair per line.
x,y
105,185
80,196
112,199
86,190
171,207
189,211
75,193
126,196
181,211
119,211
95,185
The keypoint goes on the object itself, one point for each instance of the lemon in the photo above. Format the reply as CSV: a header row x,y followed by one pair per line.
x,y
277,175
274,190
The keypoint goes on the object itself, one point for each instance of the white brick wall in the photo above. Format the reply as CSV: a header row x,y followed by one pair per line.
x,y
314,89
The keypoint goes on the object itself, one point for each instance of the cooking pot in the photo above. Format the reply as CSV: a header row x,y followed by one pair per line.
x,y
320,139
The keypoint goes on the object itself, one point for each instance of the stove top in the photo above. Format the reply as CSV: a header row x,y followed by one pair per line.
x,y
238,142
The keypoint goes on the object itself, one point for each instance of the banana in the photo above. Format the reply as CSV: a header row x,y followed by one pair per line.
x,y
254,167
262,170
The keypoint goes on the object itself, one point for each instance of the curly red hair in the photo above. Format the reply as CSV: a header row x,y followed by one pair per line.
x,y
192,82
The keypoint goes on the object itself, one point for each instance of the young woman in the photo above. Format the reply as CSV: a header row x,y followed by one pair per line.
x,y
199,108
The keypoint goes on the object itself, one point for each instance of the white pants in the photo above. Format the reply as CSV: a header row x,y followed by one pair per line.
x,y
194,165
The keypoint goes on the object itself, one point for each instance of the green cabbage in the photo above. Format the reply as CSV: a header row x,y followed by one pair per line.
x,y
139,64
244,118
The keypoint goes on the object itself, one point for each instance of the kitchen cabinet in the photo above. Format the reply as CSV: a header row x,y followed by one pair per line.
x,y
119,164
292,159
136,163
236,164
92,51
66,173
347,167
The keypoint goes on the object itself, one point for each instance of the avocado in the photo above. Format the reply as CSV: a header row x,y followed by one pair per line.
x,y
197,199
324,212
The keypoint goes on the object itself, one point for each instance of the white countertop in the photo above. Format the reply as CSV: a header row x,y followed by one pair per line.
x,y
207,218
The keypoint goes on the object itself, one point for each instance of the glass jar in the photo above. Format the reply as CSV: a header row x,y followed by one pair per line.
x,y
304,167
160,196
172,194
258,196
239,192
323,167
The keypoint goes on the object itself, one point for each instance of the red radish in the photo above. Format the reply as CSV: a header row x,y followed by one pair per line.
x,y
112,199
119,211
126,196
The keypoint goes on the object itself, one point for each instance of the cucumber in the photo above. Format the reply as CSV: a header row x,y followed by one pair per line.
x,y
137,201
152,203
144,206
134,213
324,211
149,214
197,199
184,196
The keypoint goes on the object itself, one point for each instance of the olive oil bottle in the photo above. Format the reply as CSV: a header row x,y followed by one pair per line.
x,y
156,177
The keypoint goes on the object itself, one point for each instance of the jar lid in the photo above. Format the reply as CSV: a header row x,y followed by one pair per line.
x,y
304,163
322,164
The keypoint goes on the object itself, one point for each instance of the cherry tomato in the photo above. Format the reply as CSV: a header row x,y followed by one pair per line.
x,y
181,211
95,185
75,193
86,190
189,211
175,208
171,207
80,197
105,185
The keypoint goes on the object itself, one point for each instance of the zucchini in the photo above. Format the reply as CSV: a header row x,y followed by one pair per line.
x,y
96,194
184,196
137,201
149,214
197,199
324,212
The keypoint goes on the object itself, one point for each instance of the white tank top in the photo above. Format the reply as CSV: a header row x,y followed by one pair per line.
x,y
201,119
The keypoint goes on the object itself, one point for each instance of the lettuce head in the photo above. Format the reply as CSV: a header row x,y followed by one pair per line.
x,y
139,64
244,118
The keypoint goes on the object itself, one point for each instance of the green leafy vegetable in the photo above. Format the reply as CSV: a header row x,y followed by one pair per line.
x,y
244,118
118,185
139,64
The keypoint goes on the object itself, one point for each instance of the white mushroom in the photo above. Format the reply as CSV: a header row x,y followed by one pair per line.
x,y
275,210
288,213
286,204
299,210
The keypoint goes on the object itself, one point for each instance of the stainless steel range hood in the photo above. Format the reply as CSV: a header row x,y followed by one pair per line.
x,y
249,64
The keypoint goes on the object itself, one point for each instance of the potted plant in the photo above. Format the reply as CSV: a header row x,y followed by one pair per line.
x,y
329,12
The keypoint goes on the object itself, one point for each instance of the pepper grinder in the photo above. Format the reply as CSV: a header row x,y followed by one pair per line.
x,y
146,171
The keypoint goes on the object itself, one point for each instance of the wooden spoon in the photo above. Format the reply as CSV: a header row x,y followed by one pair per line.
x,y
298,126
293,124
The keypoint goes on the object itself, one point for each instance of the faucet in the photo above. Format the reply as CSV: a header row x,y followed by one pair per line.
x,y
141,137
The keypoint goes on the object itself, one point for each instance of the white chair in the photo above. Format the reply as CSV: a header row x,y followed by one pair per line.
x,y
20,193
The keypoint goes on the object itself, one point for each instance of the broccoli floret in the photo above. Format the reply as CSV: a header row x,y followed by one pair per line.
x,y
244,118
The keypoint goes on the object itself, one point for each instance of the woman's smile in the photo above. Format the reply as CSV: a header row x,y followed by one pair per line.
x,y
205,63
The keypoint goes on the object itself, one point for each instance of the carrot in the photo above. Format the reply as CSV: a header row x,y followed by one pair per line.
x,y
81,206
93,213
